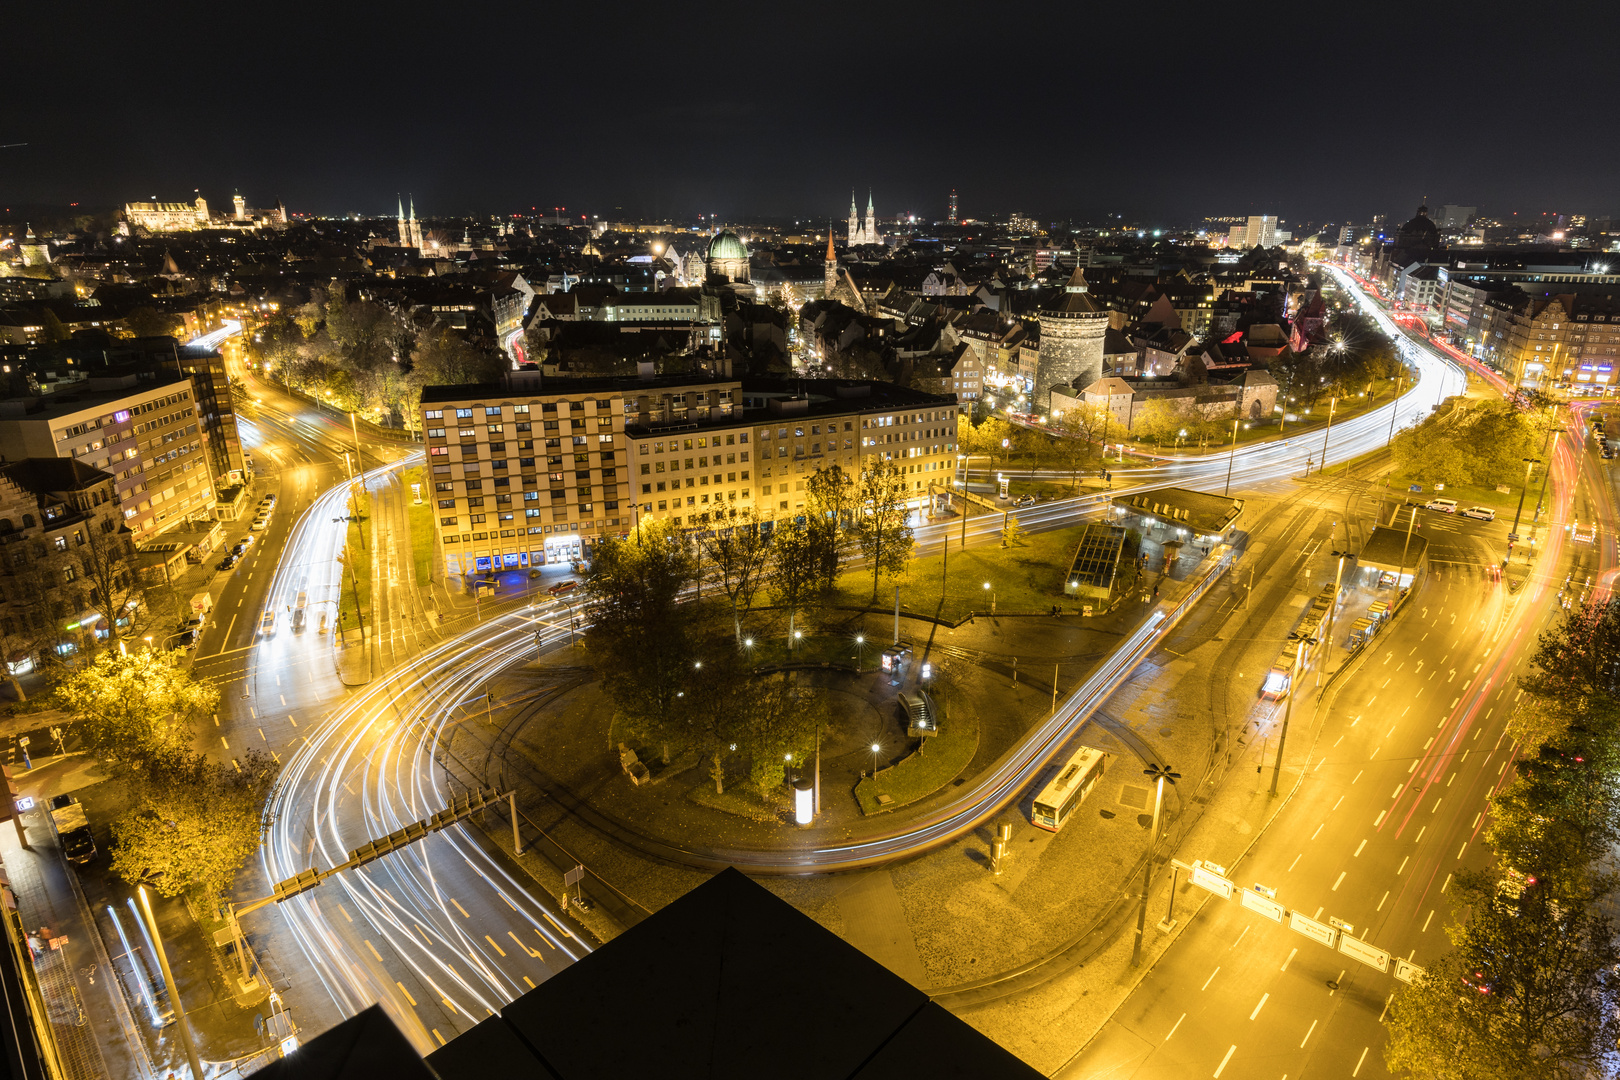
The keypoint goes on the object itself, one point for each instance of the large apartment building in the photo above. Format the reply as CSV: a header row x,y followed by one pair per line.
x,y
148,435
529,471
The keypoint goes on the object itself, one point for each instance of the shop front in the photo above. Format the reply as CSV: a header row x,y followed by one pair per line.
x,y
520,553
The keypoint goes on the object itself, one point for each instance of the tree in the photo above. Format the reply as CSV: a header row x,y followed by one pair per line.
x,y
1156,420
105,559
881,527
138,707
795,568
1527,993
740,555
639,640
149,322
780,728
443,357
193,823
1012,534
832,502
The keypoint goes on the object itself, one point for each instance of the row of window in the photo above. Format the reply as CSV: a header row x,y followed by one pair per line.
x,y
602,405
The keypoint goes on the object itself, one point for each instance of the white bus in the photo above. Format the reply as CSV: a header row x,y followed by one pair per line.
x,y
1074,781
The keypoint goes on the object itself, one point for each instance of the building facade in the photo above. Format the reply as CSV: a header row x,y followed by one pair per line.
x,y
530,473
159,217
149,437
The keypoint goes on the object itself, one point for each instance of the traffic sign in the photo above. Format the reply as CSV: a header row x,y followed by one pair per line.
x,y
1408,972
1208,879
1316,931
1262,905
1371,955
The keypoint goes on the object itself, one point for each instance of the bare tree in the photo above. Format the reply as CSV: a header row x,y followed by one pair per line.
x,y
740,555
881,528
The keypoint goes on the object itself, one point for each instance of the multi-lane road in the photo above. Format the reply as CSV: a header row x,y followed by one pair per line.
x,y
443,932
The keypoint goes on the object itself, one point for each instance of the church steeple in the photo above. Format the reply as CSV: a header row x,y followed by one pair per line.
x,y
830,278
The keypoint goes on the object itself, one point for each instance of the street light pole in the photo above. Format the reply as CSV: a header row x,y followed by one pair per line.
x,y
1529,465
1230,461
1160,774
1332,405
1394,408
174,989
1288,712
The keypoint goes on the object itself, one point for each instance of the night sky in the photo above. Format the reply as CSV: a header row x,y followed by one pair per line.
x,y
1160,112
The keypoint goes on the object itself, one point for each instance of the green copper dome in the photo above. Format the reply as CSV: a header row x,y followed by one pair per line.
x,y
727,246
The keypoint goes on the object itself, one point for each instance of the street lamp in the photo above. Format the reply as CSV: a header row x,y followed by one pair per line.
x,y
1161,775
875,748
992,593
1529,466
860,644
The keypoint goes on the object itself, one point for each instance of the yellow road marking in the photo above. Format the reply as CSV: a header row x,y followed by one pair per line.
x,y
406,992
373,949
494,946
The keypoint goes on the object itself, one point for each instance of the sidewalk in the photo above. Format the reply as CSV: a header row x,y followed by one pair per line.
x,y
94,1030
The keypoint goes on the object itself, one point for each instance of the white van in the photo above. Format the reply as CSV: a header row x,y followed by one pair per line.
x,y
1445,506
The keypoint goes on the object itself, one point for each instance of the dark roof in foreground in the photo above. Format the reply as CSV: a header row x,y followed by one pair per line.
x,y
1389,548
727,981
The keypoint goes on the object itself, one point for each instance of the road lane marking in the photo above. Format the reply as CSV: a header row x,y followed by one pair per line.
x,y
1380,819
1318,914
1475,825
1360,849
513,935
1381,900
1307,1037
1403,865
373,949
406,992
1239,938
1173,1027
1295,863
1436,807
1358,776
1447,885
1386,1008
345,912
1263,999
1462,849
461,909
1224,1060
1318,831
1340,980
1336,884
494,946
436,1035
1291,954
1418,839
1359,1060
529,981
565,931
1426,921
223,743
1211,979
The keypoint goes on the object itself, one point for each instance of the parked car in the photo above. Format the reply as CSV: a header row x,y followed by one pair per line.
x,y
1480,513
241,546
269,501
186,640
227,562
259,523
1024,500
79,846
1445,506
563,588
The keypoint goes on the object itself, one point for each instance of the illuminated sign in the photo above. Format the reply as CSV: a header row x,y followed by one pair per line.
x,y
121,416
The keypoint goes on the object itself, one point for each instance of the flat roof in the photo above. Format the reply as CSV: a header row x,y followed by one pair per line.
x,y
1383,549
1199,511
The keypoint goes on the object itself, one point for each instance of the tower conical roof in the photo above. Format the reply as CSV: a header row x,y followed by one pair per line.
x,y
831,255
1077,299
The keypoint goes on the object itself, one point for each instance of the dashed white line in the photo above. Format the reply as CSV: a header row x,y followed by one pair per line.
x,y
1263,999
1228,1057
